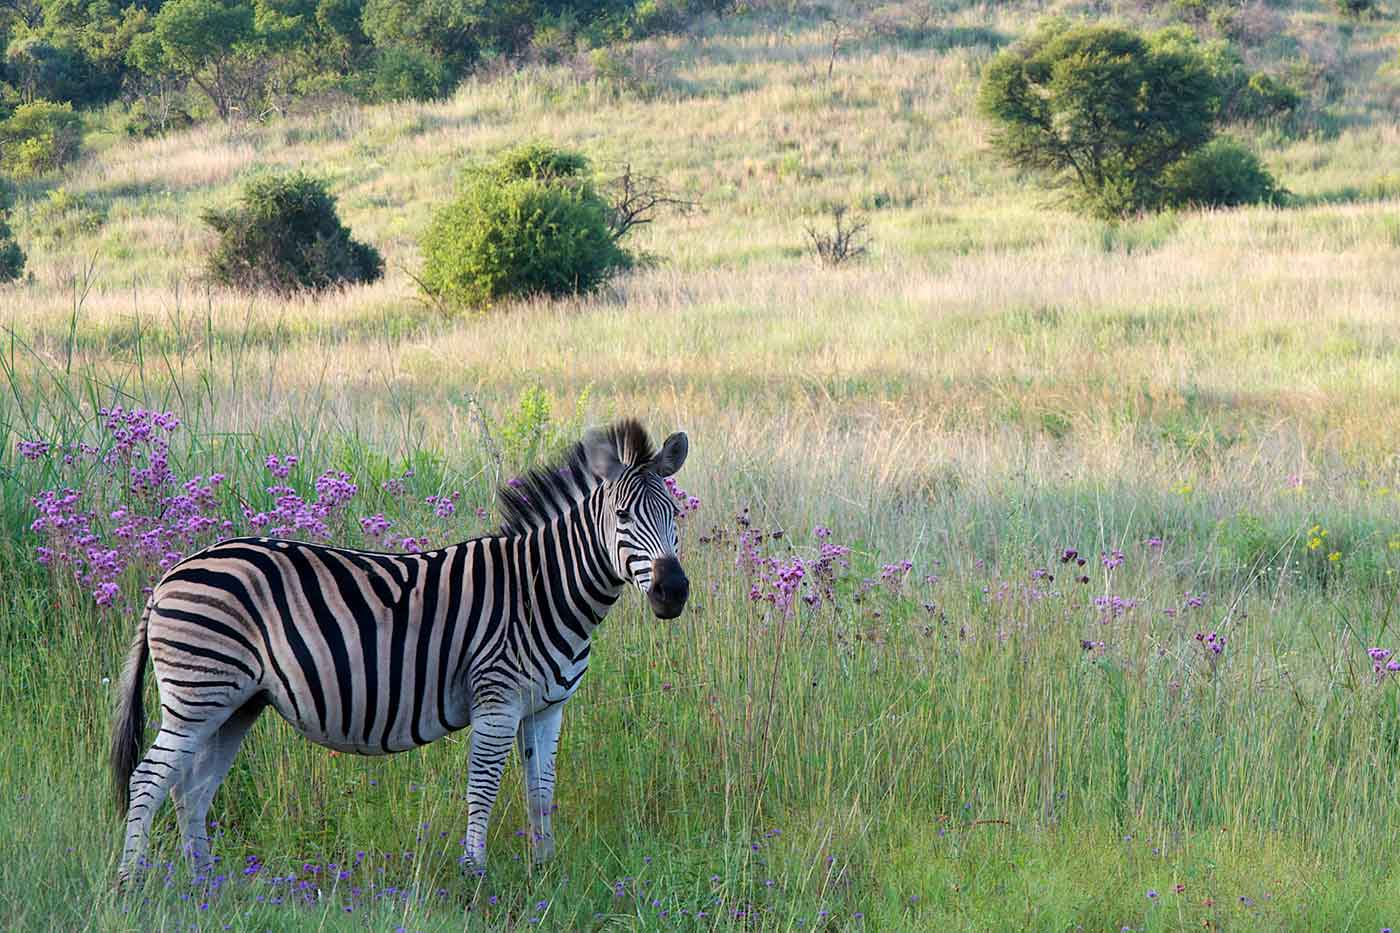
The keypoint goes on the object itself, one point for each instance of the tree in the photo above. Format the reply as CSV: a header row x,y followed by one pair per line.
x,y
1100,109
212,43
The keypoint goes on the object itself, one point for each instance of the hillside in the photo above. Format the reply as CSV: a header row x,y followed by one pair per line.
x,y
1208,400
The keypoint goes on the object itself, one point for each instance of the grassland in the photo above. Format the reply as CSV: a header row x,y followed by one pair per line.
x,y
998,381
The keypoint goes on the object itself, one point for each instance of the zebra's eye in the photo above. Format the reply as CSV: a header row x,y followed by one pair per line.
x,y
622,515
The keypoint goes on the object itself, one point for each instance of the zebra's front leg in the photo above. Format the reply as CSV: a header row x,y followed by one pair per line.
x,y
490,744
538,739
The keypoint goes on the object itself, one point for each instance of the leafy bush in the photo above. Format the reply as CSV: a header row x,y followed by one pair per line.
x,y
1265,97
1101,110
531,223
39,137
11,256
403,73
1222,173
285,235
1356,8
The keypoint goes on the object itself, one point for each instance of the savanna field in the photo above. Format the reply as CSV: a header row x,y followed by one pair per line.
x,y
1044,569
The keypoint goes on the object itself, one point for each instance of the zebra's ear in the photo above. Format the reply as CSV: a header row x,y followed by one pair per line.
x,y
672,456
601,453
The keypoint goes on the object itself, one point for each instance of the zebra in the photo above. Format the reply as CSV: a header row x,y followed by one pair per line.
x,y
376,653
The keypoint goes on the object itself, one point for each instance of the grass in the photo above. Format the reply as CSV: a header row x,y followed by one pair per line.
x,y
997,382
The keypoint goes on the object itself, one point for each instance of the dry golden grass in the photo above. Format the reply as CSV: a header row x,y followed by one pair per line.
x,y
989,333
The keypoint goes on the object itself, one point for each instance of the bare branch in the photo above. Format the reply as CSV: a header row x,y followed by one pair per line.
x,y
635,199
843,243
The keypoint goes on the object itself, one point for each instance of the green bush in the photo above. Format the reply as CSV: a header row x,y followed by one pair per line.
x,y
1101,110
1265,97
39,138
1356,8
531,223
403,73
11,256
286,236
1222,173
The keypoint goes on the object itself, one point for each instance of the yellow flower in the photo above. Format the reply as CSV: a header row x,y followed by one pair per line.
x,y
1314,529
1335,556
1383,491
1395,544
1314,544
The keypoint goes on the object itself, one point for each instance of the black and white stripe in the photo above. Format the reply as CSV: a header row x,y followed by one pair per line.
x,y
377,653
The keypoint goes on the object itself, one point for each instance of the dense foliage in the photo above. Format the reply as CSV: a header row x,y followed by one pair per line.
x,y
1222,173
285,235
11,256
1104,111
39,137
231,58
531,223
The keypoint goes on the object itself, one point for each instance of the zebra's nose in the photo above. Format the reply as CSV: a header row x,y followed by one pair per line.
x,y
669,588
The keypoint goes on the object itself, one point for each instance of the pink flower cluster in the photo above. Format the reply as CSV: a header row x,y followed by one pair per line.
x,y
291,513
1383,663
1212,641
685,502
133,511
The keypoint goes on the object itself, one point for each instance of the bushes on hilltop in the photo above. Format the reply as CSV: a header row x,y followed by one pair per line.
x,y
530,223
285,235
1106,113
247,58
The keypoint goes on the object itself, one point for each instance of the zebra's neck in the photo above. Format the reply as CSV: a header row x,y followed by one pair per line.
x,y
569,582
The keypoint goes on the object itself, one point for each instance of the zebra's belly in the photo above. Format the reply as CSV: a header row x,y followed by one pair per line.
x,y
354,738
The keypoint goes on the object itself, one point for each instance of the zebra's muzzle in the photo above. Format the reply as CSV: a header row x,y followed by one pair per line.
x,y
669,588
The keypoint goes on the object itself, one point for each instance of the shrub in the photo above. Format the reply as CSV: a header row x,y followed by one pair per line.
x,y
531,223
1356,8
1101,110
11,256
1265,97
285,235
39,137
1222,173
845,241
404,73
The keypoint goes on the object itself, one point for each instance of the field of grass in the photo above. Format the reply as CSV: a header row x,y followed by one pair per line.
x,y
1204,406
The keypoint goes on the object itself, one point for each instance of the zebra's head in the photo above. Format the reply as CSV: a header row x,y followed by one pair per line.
x,y
639,512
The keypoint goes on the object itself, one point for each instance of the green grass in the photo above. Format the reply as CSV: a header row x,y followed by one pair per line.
x,y
997,382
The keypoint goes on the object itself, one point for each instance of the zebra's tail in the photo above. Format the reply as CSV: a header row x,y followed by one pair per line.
x,y
130,726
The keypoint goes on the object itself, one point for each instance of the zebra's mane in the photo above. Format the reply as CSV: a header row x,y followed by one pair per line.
x,y
545,493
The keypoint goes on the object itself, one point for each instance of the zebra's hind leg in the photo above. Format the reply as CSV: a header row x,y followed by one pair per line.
x,y
165,763
201,780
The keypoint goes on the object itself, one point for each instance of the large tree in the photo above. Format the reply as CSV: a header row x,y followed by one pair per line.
x,y
213,43
1101,110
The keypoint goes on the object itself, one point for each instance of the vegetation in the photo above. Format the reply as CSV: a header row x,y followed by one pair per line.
x,y
246,59
531,223
11,256
39,137
1221,173
1105,111
998,383
285,235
